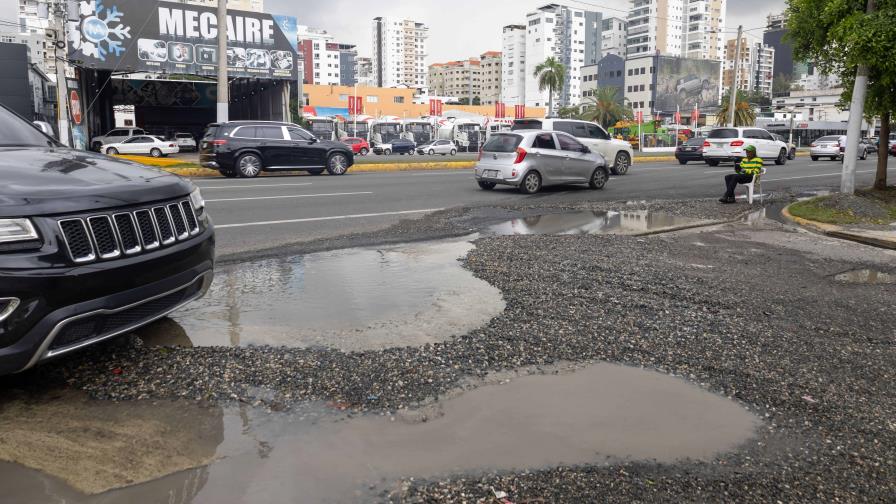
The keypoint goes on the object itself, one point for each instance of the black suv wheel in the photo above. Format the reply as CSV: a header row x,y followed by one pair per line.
x,y
337,164
249,165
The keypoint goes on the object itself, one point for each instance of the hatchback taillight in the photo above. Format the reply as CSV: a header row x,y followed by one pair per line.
x,y
707,144
737,143
520,155
171,145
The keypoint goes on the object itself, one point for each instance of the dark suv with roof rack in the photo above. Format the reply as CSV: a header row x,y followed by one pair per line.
x,y
247,148
91,247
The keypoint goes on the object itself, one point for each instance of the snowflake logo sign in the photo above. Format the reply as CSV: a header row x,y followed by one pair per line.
x,y
99,33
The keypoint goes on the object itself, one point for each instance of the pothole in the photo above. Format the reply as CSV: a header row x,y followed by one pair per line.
x,y
593,222
599,414
866,276
352,299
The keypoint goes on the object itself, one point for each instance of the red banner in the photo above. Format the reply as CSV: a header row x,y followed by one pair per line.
x,y
435,107
519,112
439,107
500,110
640,117
355,105
677,117
695,116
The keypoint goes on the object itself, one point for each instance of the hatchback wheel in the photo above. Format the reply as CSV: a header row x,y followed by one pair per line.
x,y
814,158
621,164
337,164
364,151
487,186
249,166
682,161
432,152
712,162
387,152
112,151
598,178
453,152
155,153
531,183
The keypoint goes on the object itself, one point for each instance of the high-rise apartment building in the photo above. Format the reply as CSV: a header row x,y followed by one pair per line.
x,y
655,27
570,35
513,65
755,66
703,23
685,28
774,36
613,35
364,71
399,52
491,64
326,62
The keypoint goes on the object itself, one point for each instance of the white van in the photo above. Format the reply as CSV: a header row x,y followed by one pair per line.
x,y
618,153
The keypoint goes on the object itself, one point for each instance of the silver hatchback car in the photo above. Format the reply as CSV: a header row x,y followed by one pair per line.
x,y
532,159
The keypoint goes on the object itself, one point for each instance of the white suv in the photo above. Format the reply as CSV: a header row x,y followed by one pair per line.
x,y
728,144
185,141
618,153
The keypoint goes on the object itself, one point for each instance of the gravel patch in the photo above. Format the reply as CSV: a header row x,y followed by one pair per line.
x,y
762,324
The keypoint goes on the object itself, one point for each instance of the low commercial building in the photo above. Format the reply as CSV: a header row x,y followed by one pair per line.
x,y
813,105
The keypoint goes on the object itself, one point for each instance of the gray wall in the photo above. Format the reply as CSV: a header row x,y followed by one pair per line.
x,y
593,31
611,73
15,89
347,68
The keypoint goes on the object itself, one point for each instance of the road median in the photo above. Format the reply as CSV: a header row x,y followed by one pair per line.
x,y
874,238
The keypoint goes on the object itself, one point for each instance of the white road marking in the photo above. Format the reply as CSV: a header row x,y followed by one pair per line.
x,y
335,217
816,176
287,197
251,186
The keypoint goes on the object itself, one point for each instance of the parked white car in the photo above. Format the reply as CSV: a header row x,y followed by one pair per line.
x,y
117,135
728,144
142,145
618,153
185,142
443,147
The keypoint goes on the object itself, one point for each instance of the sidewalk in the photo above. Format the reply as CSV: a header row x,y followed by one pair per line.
x,y
874,238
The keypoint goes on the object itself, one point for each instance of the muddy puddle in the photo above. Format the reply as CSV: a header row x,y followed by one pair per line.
x,y
595,415
352,299
588,222
866,277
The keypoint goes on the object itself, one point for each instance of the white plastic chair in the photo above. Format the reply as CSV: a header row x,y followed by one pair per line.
x,y
757,182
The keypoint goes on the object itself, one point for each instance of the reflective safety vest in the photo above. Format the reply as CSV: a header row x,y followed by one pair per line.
x,y
751,166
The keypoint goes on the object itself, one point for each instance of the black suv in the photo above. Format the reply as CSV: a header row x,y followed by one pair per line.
x,y
90,247
246,148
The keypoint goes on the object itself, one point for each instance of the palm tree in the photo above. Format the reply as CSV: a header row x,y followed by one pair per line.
x,y
605,108
744,115
551,75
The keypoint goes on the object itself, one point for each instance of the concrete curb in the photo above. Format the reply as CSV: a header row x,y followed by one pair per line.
x,y
834,231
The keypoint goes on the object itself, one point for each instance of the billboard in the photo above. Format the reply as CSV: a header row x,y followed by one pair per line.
x,y
682,84
177,38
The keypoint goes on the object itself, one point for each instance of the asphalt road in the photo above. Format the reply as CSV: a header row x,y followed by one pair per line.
x,y
269,212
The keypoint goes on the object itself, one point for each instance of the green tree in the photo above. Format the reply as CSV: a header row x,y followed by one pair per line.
x,y
744,114
571,112
551,75
605,108
781,84
477,100
838,36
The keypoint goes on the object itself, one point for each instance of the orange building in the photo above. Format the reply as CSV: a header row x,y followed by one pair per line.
x,y
398,102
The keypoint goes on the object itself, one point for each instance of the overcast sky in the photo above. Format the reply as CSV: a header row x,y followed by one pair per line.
x,y
457,28
464,28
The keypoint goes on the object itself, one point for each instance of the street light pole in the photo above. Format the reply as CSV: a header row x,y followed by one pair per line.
x,y
223,91
732,102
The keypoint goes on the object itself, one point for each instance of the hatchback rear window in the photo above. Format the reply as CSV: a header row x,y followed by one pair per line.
x,y
724,133
526,124
502,143
696,141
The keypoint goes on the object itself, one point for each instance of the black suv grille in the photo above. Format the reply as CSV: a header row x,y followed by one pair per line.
x,y
101,325
128,233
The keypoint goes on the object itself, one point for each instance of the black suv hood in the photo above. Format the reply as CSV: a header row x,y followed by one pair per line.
x,y
44,181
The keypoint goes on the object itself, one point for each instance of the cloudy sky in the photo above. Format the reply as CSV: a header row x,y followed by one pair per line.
x,y
463,28
457,28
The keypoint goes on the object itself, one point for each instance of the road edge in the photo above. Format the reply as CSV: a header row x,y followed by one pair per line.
x,y
840,232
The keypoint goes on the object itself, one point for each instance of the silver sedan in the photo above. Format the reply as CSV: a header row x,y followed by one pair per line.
x,y
532,159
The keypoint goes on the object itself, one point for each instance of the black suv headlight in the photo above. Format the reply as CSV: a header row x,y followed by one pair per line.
x,y
18,234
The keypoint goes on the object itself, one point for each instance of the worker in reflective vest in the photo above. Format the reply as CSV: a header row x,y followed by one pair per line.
x,y
749,167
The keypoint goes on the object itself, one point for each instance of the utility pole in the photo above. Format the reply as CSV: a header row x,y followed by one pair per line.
x,y
223,87
59,16
854,128
732,102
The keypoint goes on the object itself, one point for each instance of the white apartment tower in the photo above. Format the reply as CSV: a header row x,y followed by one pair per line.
x,y
513,72
613,35
655,27
321,57
755,66
399,52
684,28
703,24
571,36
